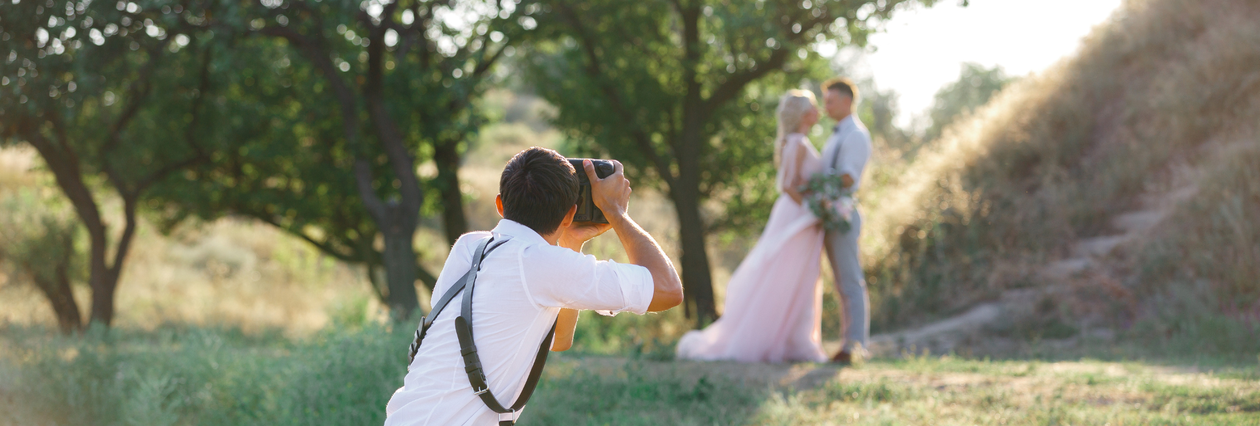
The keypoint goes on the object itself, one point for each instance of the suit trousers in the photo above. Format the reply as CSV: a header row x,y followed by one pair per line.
x,y
842,252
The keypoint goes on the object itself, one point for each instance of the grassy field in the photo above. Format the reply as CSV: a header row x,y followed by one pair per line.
x,y
345,374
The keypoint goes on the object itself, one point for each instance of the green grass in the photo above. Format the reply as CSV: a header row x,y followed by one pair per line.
x,y
951,391
344,375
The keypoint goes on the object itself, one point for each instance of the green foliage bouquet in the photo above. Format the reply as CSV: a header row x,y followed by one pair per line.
x,y
830,201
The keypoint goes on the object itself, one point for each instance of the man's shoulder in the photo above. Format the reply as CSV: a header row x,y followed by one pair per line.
x,y
547,255
471,238
860,129
466,244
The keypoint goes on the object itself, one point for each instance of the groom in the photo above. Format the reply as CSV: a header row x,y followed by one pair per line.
x,y
845,154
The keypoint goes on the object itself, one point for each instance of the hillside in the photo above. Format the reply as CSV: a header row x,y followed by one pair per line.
x,y
1114,193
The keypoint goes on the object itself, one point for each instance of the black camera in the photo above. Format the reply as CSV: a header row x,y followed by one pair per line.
x,y
586,210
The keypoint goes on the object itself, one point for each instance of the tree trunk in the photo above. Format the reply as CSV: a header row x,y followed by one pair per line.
x,y
65,167
57,291
400,264
101,278
446,156
54,283
685,190
697,281
103,289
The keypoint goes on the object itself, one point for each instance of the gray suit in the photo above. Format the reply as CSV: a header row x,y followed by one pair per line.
x,y
847,152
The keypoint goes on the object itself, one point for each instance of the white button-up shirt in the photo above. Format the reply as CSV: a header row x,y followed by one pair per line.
x,y
848,149
519,291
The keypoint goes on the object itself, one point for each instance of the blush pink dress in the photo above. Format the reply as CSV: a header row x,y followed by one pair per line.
x,y
773,308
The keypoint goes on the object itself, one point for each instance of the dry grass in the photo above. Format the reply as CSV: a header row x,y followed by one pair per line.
x,y
231,273
1201,272
1054,156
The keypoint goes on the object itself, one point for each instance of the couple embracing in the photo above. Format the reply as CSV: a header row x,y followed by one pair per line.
x,y
773,308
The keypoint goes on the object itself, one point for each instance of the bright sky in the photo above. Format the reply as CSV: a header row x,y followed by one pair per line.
x,y
923,49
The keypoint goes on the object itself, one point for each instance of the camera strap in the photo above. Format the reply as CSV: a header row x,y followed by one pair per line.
x,y
468,350
427,320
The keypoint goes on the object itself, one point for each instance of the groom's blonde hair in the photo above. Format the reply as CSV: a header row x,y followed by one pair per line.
x,y
842,85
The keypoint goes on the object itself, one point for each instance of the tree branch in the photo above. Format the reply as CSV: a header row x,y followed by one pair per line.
x,y
66,171
733,85
321,245
596,73
137,92
387,131
124,240
314,49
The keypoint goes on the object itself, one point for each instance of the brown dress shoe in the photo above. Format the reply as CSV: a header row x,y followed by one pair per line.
x,y
843,358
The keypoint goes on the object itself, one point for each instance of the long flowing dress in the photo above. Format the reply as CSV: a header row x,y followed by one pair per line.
x,y
773,307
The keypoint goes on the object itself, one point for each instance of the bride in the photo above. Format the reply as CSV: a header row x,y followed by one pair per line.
x,y
773,308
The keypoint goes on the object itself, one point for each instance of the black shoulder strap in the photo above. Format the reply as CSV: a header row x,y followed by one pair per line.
x,y
463,329
477,376
427,320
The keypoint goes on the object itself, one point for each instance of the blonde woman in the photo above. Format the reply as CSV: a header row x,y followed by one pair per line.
x,y
773,308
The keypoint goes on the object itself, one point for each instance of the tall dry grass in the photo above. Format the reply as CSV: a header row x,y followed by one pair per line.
x,y
230,273
1055,155
1200,273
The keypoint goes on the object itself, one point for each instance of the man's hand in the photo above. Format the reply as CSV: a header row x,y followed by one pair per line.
x,y
610,194
577,234
846,180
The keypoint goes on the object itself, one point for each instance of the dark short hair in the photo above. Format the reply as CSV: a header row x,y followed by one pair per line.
x,y
538,187
842,85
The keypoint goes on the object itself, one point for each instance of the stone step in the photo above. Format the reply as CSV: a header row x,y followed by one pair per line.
x,y
1099,246
1139,221
1066,268
940,335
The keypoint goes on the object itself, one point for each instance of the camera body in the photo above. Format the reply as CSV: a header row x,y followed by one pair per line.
x,y
586,210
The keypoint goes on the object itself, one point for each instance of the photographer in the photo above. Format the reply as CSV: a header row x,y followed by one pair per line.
x,y
532,277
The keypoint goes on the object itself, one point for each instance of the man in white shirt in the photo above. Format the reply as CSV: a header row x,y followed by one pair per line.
x,y
535,279
846,154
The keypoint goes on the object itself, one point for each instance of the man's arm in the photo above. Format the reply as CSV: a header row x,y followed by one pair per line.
x,y
857,152
566,325
612,196
573,238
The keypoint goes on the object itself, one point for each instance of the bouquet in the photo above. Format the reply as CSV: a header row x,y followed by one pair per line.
x,y
826,196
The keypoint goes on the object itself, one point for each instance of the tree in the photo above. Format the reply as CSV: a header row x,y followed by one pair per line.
x,y
345,100
975,86
664,85
282,162
81,84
